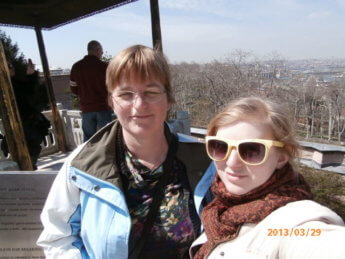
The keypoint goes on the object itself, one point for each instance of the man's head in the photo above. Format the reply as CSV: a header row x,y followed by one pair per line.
x,y
95,48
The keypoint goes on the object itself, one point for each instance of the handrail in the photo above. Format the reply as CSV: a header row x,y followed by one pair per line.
x,y
316,155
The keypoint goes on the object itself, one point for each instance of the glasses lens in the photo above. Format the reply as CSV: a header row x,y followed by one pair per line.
x,y
252,152
217,149
125,96
152,97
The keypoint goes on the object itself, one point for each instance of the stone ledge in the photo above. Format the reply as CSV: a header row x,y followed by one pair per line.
x,y
311,163
8,166
322,147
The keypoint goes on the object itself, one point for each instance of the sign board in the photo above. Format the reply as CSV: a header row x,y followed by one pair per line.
x,y
22,196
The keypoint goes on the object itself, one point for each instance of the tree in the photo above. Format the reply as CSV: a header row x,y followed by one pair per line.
x,y
13,55
106,57
17,60
336,96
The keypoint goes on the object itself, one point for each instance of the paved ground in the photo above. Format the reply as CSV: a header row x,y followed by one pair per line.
x,y
52,162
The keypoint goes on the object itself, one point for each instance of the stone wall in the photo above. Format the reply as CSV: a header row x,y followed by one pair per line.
x,y
62,91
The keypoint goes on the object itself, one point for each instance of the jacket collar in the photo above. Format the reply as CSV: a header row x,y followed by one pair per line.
x,y
91,57
98,156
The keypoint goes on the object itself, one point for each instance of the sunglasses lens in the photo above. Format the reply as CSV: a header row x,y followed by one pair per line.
x,y
252,152
217,149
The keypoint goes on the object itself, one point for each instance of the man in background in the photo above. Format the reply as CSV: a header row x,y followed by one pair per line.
x,y
87,81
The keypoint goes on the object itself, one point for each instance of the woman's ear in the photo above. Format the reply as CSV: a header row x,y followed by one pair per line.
x,y
283,158
169,106
110,101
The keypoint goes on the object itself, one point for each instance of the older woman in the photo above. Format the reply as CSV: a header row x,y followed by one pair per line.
x,y
134,189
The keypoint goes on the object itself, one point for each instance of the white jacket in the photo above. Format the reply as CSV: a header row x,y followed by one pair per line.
x,y
86,216
302,229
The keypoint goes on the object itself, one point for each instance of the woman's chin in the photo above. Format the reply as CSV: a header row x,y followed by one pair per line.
x,y
141,129
236,190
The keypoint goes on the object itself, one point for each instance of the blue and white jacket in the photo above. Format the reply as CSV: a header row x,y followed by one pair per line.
x,y
85,214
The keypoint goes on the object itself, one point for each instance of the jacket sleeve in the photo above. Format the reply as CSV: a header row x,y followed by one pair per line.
x,y
61,220
73,81
323,241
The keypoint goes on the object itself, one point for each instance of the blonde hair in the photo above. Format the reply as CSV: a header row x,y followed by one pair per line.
x,y
254,108
143,62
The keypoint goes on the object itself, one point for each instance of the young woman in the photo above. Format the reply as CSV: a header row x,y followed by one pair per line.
x,y
262,207
134,189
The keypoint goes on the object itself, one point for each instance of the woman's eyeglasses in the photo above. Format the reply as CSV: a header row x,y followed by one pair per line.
x,y
128,97
250,151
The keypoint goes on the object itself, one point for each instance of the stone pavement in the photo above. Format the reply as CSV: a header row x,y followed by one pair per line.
x,y
52,162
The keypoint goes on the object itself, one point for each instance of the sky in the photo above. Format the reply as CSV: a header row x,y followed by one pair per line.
x,y
201,30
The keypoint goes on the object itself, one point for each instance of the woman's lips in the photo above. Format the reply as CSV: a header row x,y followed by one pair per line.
x,y
235,176
140,117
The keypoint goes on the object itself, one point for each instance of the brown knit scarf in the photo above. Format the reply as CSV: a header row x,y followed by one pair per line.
x,y
224,216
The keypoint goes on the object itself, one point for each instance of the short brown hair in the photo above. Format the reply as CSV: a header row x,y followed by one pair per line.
x,y
144,62
254,108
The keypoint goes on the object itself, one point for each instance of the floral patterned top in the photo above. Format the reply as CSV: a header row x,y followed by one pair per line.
x,y
176,225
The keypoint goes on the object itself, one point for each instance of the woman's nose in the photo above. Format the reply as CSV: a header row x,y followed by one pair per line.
x,y
138,101
234,159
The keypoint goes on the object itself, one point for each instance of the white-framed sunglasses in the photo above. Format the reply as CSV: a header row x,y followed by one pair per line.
x,y
250,151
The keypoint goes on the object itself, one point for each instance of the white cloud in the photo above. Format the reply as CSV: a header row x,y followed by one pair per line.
x,y
291,4
318,15
188,30
188,40
238,10
193,4
341,2
222,8
202,30
126,22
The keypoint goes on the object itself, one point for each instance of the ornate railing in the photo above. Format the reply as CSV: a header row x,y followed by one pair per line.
x,y
2,131
328,157
72,128
74,135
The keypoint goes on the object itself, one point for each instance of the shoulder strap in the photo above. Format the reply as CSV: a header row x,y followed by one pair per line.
x,y
157,198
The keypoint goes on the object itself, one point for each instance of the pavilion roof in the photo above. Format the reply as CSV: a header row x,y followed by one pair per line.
x,y
50,14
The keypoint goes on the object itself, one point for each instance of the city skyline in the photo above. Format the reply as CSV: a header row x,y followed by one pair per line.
x,y
197,31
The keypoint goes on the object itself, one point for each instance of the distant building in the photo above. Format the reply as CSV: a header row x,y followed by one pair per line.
x,y
271,75
60,81
56,71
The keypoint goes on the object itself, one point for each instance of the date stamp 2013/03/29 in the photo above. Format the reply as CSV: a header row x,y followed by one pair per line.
x,y
297,232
